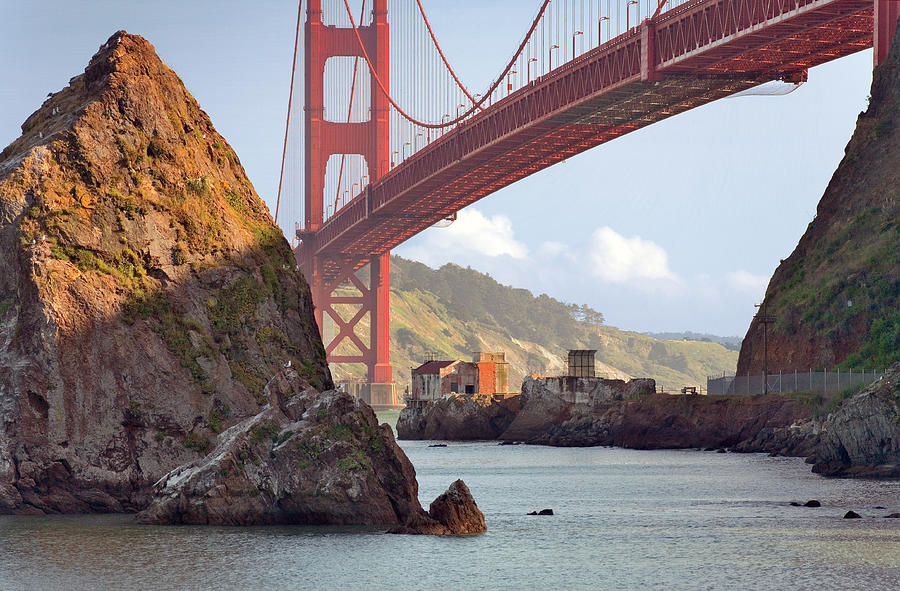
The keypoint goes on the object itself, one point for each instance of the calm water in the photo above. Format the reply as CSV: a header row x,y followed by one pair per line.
x,y
624,520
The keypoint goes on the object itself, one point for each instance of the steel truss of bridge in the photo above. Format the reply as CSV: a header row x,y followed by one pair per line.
x,y
686,57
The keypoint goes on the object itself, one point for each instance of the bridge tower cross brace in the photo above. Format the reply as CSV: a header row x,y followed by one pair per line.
x,y
325,272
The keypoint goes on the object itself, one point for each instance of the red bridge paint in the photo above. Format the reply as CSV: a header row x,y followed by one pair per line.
x,y
326,270
688,56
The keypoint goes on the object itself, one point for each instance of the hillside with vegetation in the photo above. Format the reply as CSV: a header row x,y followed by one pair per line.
x,y
835,298
733,342
451,312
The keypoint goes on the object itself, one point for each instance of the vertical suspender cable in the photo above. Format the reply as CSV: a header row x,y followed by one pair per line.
x,y
469,111
287,126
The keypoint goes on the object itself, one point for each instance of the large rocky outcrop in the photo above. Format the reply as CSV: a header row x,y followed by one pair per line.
x,y
862,438
308,458
146,302
457,417
835,299
146,296
548,403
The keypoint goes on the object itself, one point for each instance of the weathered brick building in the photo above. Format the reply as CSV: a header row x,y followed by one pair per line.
x,y
487,373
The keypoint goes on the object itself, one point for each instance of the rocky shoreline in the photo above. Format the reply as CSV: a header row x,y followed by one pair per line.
x,y
861,438
597,412
473,418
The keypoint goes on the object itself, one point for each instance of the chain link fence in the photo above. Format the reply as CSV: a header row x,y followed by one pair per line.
x,y
798,381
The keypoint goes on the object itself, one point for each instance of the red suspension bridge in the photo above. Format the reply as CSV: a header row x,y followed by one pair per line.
x,y
394,143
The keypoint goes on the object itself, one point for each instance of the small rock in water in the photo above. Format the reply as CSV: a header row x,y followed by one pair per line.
x,y
542,512
438,445
795,504
812,503
892,516
722,450
852,515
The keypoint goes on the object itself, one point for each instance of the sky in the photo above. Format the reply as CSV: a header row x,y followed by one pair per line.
x,y
674,227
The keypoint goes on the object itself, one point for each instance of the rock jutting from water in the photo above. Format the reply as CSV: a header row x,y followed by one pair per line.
x,y
149,308
308,458
862,438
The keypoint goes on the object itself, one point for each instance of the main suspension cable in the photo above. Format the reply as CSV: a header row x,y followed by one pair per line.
x,y
441,53
475,105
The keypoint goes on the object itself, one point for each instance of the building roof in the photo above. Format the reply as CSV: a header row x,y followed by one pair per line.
x,y
432,367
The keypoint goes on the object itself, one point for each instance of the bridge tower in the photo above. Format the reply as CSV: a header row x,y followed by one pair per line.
x,y
371,140
887,13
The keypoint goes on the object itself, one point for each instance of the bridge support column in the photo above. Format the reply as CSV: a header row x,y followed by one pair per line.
x,y
887,13
379,364
327,271
342,294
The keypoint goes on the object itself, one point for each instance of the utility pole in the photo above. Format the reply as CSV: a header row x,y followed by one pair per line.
x,y
765,320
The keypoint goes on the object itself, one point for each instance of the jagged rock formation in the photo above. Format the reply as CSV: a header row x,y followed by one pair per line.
x,y
308,458
146,297
456,510
458,417
862,438
548,403
835,298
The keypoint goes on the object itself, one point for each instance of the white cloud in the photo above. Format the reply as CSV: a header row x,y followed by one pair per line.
x,y
616,259
472,233
748,282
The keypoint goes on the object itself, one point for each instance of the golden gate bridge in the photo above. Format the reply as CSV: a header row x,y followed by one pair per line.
x,y
390,142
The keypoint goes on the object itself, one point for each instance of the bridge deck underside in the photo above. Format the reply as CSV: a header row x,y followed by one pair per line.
x,y
556,118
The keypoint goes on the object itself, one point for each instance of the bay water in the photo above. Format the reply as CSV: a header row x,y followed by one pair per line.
x,y
623,519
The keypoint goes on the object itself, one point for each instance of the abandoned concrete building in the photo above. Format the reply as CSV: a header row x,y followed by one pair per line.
x,y
580,385
487,373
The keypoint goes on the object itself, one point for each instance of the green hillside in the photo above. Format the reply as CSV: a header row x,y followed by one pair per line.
x,y
453,311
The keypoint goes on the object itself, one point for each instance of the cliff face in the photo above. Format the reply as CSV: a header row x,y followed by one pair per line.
x,y
146,297
835,299
863,437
